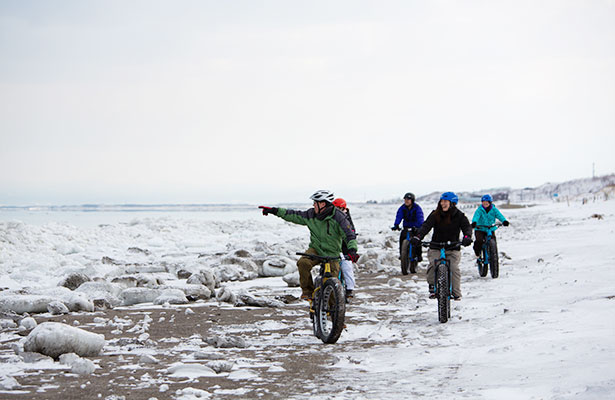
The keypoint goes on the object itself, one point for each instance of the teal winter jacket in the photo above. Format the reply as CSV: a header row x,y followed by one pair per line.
x,y
482,217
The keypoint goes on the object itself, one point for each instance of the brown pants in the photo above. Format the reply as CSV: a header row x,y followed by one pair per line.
x,y
453,256
305,266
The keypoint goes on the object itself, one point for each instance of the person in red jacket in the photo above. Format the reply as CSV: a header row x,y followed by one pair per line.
x,y
346,264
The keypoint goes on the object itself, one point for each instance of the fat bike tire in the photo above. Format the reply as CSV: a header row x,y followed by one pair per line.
x,y
405,257
443,295
413,265
482,266
494,262
331,311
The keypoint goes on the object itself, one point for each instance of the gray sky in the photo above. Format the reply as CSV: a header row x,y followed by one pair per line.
x,y
243,101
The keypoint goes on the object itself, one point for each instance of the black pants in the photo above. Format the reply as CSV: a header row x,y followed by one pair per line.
x,y
481,237
416,250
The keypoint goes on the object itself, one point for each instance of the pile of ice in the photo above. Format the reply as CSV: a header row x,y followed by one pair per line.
x,y
60,268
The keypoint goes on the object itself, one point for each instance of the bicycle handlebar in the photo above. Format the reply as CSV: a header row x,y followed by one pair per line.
x,y
441,244
489,226
318,258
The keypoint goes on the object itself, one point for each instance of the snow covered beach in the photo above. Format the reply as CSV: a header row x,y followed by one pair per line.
x,y
544,329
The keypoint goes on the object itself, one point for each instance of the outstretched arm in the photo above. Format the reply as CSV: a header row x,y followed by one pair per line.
x,y
296,216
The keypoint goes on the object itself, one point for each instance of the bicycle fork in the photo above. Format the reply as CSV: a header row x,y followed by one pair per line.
x,y
325,275
443,263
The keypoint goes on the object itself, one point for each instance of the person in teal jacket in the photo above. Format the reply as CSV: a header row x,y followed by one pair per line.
x,y
485,215
328,227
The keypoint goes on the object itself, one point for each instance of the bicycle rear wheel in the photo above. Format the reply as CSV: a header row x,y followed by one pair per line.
x,y
414,260
494,262
330,311
444,300
405,257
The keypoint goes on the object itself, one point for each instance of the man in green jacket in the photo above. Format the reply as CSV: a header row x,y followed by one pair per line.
x,y
328,228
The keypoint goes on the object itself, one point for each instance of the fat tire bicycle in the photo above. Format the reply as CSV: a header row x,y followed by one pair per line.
x,y
488,259
328,304
408,259
442,278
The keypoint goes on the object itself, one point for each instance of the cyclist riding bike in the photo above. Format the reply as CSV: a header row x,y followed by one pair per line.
x,y
346,265
412,215
328,227
485,216
447,222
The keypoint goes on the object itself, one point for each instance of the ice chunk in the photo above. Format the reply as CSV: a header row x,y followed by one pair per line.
x,y
57,308
137,295
171,296
28,303
54,339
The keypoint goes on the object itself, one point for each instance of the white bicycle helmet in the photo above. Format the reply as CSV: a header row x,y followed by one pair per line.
x,y
323,195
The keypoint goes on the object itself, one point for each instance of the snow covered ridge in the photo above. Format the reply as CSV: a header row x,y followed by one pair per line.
x,y
598,188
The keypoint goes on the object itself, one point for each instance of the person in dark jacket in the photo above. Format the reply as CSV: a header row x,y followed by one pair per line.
x,y
447,221
412,215
345,264
328,227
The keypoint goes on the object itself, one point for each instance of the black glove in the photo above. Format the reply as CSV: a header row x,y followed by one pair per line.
x,y
505,223
473,224
269,210
395,228
352,255
415,241
466,241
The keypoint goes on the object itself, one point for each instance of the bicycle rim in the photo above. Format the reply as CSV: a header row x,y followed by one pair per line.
x,y
443,295
331,311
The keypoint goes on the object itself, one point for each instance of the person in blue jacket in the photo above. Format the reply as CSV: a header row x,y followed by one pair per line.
x,y
485,214
412,215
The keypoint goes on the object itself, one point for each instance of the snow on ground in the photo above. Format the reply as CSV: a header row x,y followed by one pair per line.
x,y
543,329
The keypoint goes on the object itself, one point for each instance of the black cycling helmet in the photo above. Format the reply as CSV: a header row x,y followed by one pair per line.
x,y
410,196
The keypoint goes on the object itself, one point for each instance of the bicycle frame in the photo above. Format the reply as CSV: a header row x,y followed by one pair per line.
x,y
327,306
490,229
444,298
410,255
443,261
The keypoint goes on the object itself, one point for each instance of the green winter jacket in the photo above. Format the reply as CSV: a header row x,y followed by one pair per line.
x,y
326,232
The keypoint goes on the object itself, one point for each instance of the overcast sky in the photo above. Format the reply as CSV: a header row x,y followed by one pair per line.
x,y
265,102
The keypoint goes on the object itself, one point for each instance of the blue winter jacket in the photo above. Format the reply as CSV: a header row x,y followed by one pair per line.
x,y
413,217
482,217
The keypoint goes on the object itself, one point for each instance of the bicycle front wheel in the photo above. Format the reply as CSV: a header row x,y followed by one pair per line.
x,y
482,263
444,300
331,311
494,262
